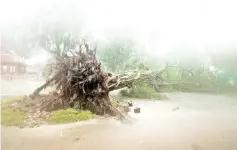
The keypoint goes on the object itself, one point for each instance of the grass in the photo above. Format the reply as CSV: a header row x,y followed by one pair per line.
x,y
10,101
143,92
69,116
15,117
10,116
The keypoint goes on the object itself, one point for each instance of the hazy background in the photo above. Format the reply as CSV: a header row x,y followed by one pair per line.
x,y
165,29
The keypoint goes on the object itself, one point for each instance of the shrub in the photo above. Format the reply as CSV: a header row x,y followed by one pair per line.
x,y
143,92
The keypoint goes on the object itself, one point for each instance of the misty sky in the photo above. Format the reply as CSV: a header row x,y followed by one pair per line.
x,y
162,26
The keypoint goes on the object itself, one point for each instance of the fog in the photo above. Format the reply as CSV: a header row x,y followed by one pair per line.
x,y
165,68
162,27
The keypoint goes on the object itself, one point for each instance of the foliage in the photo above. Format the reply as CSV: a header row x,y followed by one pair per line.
x,y
116,53
225,60
192,79
12,117
143,92
173,74
69,115
136,63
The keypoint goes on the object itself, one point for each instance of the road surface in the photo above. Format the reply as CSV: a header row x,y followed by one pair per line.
x,y
18,87
184,122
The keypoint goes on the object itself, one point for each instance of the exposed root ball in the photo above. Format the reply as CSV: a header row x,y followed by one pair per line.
x,y
81,82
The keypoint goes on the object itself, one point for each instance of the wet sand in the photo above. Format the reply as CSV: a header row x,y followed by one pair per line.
x,y
184,122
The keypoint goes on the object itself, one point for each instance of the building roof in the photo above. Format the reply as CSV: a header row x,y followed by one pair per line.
x,y
11,59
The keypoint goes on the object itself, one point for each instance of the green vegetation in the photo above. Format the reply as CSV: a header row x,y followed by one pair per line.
x,y
15,117
143,92
12,100
69,116
12,117
120,52
225,60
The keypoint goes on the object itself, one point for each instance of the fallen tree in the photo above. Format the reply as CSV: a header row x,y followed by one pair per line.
x,y
82,84
80,81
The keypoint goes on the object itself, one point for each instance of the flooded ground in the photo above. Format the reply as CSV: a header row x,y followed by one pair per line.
x,y
20,86
184,122
11,88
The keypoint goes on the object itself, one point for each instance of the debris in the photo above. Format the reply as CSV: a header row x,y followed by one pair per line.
x,y
130,104
77,138
177,108
137,110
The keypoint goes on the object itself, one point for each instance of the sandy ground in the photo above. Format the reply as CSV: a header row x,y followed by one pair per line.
x,y
185,122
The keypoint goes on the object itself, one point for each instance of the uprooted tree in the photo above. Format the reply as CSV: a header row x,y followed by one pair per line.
x,y
82,84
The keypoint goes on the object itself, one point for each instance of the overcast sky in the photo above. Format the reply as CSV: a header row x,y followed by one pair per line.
x,y
162,25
